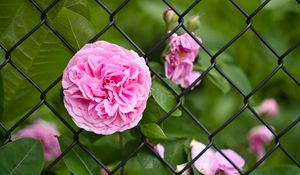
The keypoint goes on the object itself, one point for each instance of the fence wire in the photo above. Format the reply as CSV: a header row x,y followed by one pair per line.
x,y
213,58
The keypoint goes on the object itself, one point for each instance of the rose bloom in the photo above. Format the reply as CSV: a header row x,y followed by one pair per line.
x,y
269,107
46,133
183,50
211,162
259,136
106,88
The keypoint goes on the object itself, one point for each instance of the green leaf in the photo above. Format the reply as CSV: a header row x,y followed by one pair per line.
x,y
151,113
75,28
238,76
277,170
42,57
214,77
16,18
173,85
174,152
164,97
21,157
152,130
80,6
157,67
109,154
138,165
219,81
146,159
63,171
77,161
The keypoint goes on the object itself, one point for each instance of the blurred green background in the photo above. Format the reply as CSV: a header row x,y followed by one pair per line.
x,y
247,62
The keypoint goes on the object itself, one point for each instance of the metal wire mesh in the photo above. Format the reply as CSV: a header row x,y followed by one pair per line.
x,y
213,58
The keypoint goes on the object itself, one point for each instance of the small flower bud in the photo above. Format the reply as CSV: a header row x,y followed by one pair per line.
x,y
170,17
193,23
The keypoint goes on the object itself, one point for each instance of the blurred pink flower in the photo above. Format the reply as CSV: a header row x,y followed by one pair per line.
x,y
181,166
160,149
269,107
106,88
44,132
190,78
259,136
206,163
211,162
184,46
225,167
183,50
103,172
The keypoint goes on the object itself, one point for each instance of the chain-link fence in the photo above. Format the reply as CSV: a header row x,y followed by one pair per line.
x,y
146,54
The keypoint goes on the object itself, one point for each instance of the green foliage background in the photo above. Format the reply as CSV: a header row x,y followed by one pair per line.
x,y
247,62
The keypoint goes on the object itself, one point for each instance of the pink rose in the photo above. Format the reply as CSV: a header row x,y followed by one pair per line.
x,y
269,107
106,88
160,149
258,137
179,61
46,133
185,46
211,162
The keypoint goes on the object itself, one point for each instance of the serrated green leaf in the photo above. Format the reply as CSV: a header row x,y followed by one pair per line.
x,y
70,25
21,157
152,130
42,57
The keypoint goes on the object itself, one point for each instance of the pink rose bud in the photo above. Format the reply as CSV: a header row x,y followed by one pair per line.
x,y
46,133
259,136
170,18
106,88
193,23
210,162
269,107
160,149
179,61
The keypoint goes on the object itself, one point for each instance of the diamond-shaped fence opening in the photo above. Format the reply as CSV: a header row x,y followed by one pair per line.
x,y
113,16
